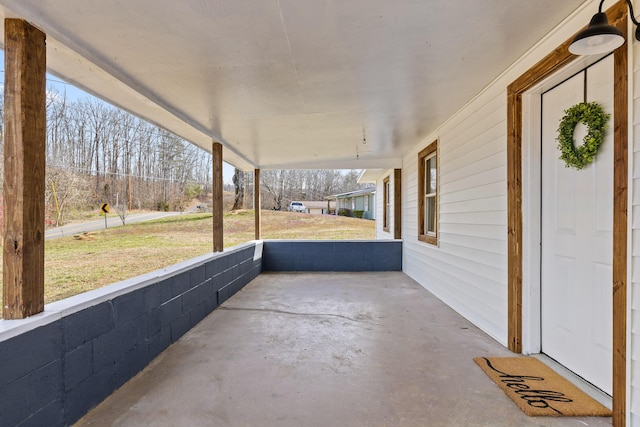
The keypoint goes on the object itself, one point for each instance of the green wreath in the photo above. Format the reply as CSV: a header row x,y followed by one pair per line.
x,y
592,115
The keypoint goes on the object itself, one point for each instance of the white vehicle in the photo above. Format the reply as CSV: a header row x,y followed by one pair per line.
x,y
297,207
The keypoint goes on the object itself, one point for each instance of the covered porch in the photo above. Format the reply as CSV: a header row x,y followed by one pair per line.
x,y
319,349
307,85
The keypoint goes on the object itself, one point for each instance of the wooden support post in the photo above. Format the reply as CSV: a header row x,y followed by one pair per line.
x,y
620,225
24,169
257,205
397,203
218,205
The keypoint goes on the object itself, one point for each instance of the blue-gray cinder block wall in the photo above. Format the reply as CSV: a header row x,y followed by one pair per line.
x,y
53,374
56,366
338,255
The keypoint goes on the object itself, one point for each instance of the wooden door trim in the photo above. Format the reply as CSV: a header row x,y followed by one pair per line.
x,y
397,203
550,64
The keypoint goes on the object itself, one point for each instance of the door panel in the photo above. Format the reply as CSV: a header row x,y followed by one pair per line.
x,y
576,247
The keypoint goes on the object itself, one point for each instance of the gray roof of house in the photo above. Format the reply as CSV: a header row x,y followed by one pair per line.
x,y
361,192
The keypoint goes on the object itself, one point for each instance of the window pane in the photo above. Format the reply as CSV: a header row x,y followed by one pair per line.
x,y
426,176
430,215
432,175
425,220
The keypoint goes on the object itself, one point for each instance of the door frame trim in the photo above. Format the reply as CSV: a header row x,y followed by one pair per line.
x,y
550,64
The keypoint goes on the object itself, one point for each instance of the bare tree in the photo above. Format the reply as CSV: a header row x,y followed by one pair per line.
x,y
63,188
122,210
238,184
273,183
119,153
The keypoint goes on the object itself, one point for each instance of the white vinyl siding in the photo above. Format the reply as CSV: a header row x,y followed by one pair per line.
x,y
468,270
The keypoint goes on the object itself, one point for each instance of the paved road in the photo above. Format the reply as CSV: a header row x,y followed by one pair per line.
x,y
112,221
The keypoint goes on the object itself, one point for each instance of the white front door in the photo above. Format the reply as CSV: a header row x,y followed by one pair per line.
x,y
576,234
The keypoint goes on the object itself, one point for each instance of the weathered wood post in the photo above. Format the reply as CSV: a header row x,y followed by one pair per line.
x,y
218,204
256,202
24,169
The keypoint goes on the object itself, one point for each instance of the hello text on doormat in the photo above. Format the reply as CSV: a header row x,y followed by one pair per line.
x,y
537,389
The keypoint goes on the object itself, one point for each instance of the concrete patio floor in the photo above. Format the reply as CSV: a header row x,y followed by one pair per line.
x,y
323,349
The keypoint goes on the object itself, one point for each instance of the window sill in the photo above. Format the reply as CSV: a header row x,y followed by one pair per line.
x,y
432,240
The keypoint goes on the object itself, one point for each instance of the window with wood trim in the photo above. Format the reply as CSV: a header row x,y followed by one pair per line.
x,y
428,194
386,204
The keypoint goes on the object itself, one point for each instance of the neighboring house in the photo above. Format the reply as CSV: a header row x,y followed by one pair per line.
x,y
354,202
320,207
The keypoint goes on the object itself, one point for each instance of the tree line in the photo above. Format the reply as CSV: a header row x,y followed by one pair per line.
x,y
279,187
97,153
121,159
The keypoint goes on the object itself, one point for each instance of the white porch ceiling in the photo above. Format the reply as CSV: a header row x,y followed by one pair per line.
x,y
290,83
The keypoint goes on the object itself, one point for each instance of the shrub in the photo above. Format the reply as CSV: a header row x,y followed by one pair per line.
x,y
193,191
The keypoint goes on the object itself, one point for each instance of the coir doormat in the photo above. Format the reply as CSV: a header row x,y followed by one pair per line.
x,y
538,390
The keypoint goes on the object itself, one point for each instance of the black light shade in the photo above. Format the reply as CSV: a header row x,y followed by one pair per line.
x,y
598,38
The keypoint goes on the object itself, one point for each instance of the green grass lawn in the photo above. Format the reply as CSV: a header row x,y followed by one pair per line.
x,y
74,266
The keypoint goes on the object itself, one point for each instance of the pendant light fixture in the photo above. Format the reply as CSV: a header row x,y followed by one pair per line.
x,y
600,37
